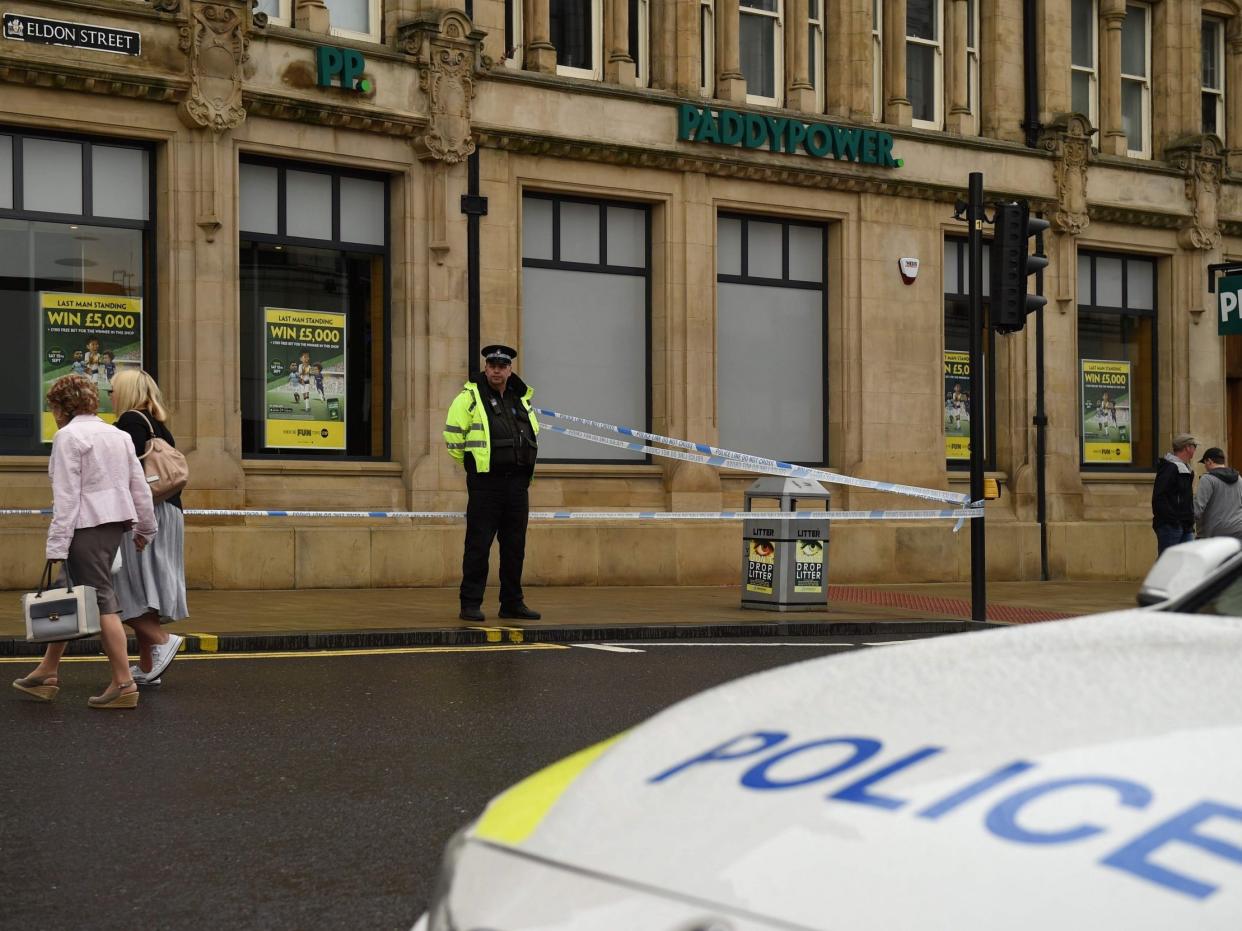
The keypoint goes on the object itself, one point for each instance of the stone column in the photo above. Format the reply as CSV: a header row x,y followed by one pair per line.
x,y
1112,136
540,52
957,73
311,16
620,67
1053,59
730,85
897,109
848,58
1233,102
800,93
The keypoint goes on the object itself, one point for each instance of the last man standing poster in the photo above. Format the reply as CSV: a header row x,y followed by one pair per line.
x,y
304,379
1106,412
95,335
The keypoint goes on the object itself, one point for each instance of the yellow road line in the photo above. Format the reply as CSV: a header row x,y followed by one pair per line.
x,y
318,654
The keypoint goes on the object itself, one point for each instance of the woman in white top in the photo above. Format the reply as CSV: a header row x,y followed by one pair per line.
x,y
99,491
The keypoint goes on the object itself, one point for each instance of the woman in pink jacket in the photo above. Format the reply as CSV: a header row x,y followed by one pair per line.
x,y
99,492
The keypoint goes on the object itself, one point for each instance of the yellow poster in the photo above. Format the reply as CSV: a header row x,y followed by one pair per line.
x,y
304,362
956,405
1106,412
760,563
96,335
809,566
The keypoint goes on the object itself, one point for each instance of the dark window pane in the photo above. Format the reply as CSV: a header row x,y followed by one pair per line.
x,y
1082,33
571,33
634,47
758,54
921,19
1209,114
325,280
921,80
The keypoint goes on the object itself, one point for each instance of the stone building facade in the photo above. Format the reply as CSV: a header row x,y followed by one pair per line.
x,y
687,215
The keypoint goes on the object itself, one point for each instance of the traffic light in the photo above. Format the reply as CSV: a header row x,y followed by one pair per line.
x,y
1012,265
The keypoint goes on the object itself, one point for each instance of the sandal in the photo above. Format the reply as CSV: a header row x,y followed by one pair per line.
x,y
38,686
115,696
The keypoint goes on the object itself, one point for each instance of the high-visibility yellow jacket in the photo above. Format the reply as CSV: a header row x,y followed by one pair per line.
x,y
466,429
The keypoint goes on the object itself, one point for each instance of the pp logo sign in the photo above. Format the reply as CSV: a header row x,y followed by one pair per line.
x,y
1229,294
342,66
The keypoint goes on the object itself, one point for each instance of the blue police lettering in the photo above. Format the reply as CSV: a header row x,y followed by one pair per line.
x,y
857,791
1133,857
1002,819
976,788
757,776
716,754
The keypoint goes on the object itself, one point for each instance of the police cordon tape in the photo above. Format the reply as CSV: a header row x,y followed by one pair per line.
x,y
715,456
958,514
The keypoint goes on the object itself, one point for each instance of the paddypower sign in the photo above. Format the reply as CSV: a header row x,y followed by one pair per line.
x,y
1229,294
781,134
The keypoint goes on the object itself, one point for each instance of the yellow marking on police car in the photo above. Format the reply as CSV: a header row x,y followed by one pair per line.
x,y
513,816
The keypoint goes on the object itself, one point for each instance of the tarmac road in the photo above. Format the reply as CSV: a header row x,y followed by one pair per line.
x,y
302,790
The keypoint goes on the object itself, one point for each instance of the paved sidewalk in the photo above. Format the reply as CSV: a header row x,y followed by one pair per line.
x,y
336,618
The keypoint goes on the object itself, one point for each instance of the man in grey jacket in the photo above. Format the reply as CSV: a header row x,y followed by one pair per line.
x,y
1218,502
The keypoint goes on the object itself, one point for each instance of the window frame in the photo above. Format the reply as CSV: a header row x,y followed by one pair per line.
x,y
1093,92
783,282
937,121
989,349
374,17
1218,25
1123,311
280,238
514,35
817,48
974,89
707,48
877,60
778,52
641,12
557,264
596,71
148,227
1144,81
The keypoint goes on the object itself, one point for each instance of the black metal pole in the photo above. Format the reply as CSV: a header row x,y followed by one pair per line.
x,y
1030,72
1041,425
474,309
978,571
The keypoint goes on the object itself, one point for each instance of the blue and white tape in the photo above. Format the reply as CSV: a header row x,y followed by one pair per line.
x,y
958,514
715,456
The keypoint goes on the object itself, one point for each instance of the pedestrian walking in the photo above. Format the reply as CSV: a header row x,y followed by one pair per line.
x,y
1172,495
99,492
492,431
151,583
1218,502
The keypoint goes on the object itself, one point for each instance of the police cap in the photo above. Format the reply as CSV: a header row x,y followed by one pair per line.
x,y
499,355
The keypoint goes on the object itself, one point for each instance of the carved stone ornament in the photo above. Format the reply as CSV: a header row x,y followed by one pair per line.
x,y
1068,137
1202,160
446,49
216,39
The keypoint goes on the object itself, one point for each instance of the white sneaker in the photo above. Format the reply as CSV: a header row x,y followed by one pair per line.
x,y
142,678
162,654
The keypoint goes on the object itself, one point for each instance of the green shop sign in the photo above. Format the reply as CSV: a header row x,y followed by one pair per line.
x,y
343,66
781,134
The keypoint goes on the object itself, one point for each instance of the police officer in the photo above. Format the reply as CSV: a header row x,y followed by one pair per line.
x,y
492,431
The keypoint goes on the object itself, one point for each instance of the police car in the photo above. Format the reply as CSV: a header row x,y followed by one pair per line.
x,y
1083,774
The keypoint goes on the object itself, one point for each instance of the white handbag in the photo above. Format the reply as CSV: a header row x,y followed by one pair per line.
x,y
67,613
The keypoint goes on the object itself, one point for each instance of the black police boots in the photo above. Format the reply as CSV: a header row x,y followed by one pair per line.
x,y
519,612
470,613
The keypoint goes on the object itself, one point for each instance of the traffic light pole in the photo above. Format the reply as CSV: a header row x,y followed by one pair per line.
x,y
978,573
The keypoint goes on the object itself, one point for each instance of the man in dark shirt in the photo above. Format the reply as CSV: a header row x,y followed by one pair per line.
x,y
1173,496
492,431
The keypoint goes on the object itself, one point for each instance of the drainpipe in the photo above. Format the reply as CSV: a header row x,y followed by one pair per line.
x,y
1030,26
1041,425
474,207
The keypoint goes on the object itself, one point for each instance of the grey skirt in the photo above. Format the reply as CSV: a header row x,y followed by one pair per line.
x,y
154,580
90,562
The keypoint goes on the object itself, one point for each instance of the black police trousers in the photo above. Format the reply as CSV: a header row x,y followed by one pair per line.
x,y
499,505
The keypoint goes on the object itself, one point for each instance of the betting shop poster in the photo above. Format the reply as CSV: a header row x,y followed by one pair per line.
x,y
809,566
1106,411
956,405
761,559
304,361
96,335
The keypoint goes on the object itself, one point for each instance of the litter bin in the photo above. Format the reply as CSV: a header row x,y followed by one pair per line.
x,y
785,559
